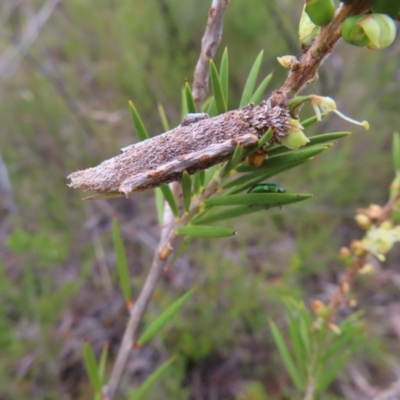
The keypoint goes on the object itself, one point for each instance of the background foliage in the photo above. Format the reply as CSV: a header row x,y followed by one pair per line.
x,y
57,266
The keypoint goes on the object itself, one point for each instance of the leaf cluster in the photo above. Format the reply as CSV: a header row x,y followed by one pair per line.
x,y
313,354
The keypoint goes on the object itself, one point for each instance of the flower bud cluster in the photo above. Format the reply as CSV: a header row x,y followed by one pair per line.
x,y
374,30
380,240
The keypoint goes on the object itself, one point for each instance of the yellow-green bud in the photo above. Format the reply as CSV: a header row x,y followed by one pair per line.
x,y
319,308
357,247
288,61
375,31
295,137
320,12
363,221
366,269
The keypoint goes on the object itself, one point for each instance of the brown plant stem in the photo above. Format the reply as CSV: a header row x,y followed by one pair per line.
x,y
344,285
209,43
320,49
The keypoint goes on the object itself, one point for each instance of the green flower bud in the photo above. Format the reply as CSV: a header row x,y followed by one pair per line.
x,y
308,31
389,7
375,31
295,137
320,12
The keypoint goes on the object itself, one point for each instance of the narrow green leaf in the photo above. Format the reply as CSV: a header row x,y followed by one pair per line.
x,y
206,104
329,374
229,165
159,198
351,330
295,337
165,316
191,105
258,94
163,116
205,231
270,199
327,137
232,212
251,81
304,333
264,138
122,263
252,178
212,109
91,366
257,178
145,387
170,198
287,359
396,152
354,320
224,74
217,89
141,131
103,363
184,110
202,176
314,140
312,120
210,172
186,190
281,159
262,141
304,325
196,183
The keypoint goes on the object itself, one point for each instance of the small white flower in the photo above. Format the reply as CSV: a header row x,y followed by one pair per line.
x,y
327,105
380,240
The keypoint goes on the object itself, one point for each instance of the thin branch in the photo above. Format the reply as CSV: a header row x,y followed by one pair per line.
x,y
344,285
14,54
212,37
46,68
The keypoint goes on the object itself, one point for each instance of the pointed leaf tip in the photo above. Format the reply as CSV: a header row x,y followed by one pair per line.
x,y
141,131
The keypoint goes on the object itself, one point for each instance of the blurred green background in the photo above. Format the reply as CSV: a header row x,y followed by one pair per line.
x,y
67,71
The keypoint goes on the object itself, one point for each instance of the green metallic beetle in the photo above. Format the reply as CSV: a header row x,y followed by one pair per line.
x,y
266,188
